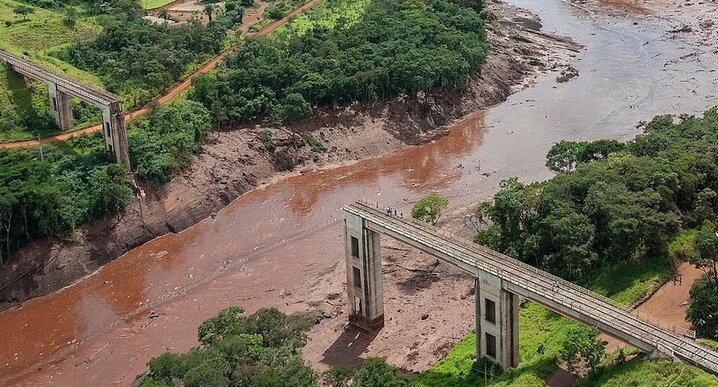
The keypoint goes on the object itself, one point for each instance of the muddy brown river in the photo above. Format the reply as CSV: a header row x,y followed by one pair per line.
x,y
103,330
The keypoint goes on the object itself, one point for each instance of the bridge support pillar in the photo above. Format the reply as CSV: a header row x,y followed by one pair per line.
x,y
60,107
497,321
364,278
114,133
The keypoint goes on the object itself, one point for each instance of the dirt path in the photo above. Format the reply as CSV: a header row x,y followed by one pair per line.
x,y
175,90
667,305
168,5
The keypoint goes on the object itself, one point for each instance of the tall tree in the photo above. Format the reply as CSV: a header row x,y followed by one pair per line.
x,y
23,10
209,11
163,14
707,257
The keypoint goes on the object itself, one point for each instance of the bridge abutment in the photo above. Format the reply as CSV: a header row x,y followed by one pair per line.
x,y
497,321
364,278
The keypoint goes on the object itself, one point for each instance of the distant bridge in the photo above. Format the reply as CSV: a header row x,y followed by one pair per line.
x,y
500,281
61,89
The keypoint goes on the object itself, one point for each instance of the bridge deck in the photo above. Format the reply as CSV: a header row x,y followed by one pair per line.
x,y
73,87
557,294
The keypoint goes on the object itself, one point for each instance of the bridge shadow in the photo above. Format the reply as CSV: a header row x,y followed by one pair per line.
x,y
348,347
36,118
417,282
423,276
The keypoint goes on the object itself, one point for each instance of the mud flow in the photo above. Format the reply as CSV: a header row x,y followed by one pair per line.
x,y
280,245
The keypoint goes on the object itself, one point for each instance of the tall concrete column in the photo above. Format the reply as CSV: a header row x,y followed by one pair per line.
x,y
364,278
497,321
114,133
60,107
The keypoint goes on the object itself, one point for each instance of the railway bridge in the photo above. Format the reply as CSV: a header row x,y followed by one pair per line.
x,y
61,90
500,283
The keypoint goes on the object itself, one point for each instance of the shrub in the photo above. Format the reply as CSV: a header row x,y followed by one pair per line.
x,y
265,137
703,311
429,208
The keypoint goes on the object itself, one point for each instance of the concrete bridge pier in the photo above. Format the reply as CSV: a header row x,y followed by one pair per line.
x,y
497,321
114,133
364,278
60,106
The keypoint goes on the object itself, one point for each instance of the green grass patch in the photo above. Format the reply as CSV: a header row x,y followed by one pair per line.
x,y
644,372
541,335
628,283
327,14
43,31
150,4
709,343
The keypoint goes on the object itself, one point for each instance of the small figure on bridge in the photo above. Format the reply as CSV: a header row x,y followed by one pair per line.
x,y
554,286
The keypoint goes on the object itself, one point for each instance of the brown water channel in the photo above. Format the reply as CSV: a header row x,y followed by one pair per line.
x,y
103,330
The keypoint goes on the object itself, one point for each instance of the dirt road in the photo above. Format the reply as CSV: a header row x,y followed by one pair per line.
x,y
175,90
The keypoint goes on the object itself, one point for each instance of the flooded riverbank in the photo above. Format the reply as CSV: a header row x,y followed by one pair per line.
x,y
280,245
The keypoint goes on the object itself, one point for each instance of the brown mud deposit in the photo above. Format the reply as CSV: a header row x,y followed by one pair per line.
x,y
104,329
281,244
232,162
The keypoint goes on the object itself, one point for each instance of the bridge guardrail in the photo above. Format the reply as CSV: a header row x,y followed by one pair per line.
x,y
59,78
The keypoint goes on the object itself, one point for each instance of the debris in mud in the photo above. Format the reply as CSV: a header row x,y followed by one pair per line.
x,y
567,74
333,296
316,316
684,29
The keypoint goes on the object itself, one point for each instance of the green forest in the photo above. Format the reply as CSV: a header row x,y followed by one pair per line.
x,y
107,45
358,52
395,46
138,59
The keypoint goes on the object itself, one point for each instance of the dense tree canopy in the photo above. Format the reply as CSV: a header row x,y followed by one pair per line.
x,y
44,192
613,203
396,46
166,140
50,190
258,350
138,59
